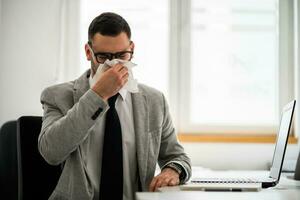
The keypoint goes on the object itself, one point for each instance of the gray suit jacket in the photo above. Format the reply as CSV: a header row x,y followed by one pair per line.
x,y
71,110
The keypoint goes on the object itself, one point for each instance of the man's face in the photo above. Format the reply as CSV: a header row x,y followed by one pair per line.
x,y
107,44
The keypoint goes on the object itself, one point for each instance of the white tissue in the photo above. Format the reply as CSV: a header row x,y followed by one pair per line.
x,y
130,86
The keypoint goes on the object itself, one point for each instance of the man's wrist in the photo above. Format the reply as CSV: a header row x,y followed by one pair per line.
x,y
176,167
99,93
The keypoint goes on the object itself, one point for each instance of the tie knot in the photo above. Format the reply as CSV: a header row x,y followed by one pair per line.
x,y
112,100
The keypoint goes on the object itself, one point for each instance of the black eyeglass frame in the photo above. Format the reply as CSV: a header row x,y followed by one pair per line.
x,y
109,56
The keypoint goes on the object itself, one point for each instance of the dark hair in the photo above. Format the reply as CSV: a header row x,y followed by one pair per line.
x,y
108,24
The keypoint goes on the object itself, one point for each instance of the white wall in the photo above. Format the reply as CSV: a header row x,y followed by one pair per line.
x,y
31,53
28,55
241,156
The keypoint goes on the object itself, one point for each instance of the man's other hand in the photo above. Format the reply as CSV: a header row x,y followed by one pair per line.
x,y
167,177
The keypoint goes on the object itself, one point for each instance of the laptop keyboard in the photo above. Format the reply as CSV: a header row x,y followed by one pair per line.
x,y
225,180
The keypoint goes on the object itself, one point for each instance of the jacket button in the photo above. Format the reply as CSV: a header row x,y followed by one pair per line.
x,y
97,113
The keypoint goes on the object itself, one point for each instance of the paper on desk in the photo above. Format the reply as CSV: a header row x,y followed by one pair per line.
x,y
130,86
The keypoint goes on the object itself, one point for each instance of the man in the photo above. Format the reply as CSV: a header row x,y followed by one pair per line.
x,y
107,139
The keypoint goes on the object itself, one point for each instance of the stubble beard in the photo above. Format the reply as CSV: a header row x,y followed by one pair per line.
x,y
94,68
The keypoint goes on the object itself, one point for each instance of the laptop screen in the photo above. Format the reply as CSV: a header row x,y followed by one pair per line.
x,y
282,138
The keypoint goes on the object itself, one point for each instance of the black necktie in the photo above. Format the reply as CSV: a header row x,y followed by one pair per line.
x,y
111,186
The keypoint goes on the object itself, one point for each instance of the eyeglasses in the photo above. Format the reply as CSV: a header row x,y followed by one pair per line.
x,y
101,57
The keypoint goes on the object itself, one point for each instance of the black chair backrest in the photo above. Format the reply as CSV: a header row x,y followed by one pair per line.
x,y
8,161
37,178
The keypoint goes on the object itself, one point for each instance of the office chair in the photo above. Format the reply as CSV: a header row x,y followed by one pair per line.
x,y
37,179
8,161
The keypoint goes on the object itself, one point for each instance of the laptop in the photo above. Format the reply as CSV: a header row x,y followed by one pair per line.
x,y
250,184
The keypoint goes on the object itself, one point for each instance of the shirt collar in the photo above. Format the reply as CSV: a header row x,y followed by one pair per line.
x,y
123,93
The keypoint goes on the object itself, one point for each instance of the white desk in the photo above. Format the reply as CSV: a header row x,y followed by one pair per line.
x,y
287,189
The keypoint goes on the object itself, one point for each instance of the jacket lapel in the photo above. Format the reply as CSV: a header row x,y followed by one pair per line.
x,y
140,118
81,85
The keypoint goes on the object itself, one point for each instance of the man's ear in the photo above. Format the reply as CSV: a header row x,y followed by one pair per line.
x,y
88,52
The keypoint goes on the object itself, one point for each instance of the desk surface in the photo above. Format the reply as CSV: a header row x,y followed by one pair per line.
x,y
287,189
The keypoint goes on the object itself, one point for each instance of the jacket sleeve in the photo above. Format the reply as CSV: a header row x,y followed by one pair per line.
x,y
170,149
61,134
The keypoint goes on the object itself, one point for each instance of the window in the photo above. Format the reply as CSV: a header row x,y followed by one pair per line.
x,y
217,61
234,65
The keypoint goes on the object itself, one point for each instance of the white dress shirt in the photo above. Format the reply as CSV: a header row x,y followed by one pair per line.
x,y
93,160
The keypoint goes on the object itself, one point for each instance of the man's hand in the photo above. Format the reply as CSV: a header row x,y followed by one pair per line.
x,y
111,81
167,177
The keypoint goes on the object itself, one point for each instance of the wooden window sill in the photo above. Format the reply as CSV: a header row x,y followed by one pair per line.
x,y
215,138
